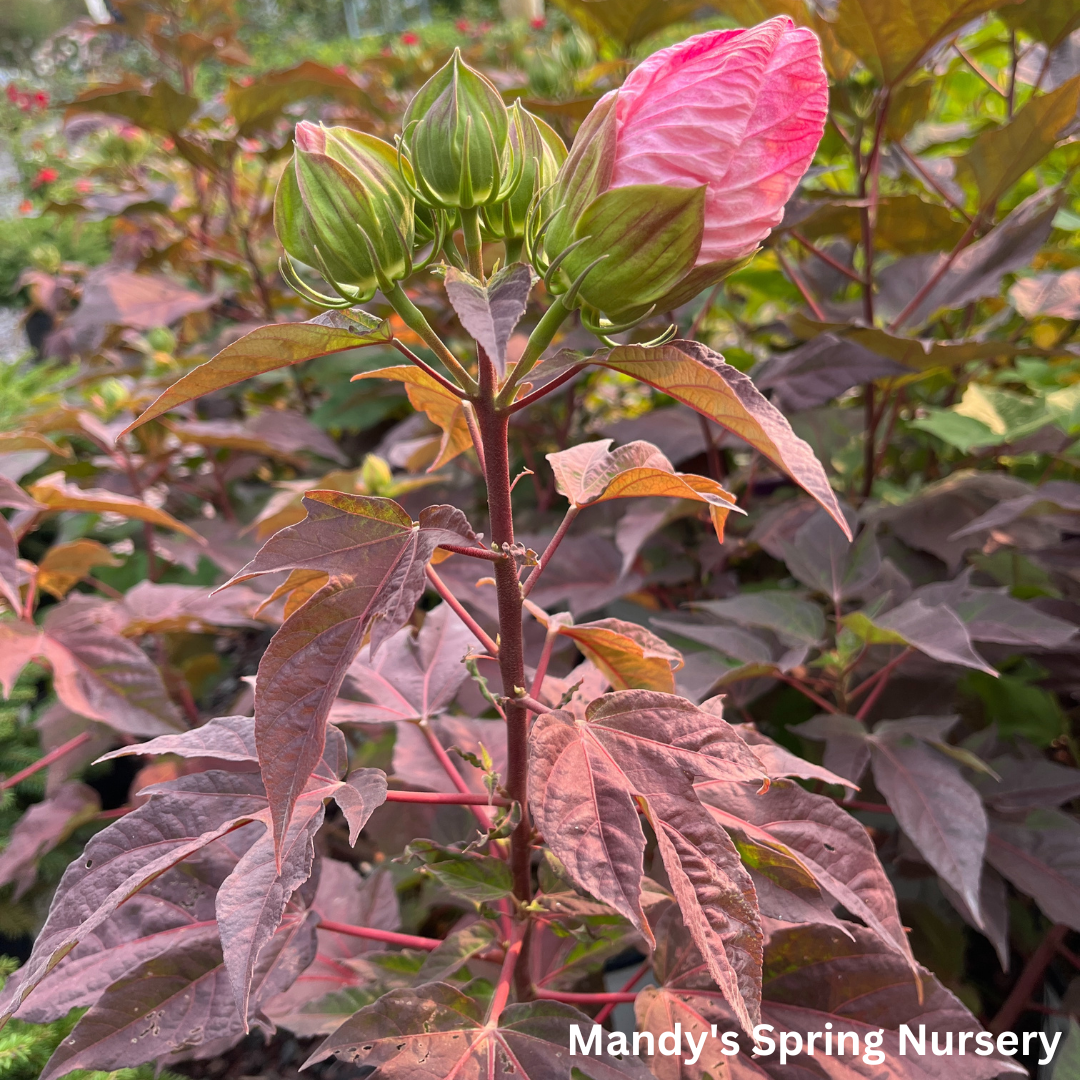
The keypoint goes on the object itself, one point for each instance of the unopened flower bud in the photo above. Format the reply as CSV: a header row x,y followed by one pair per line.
x,y
675,178
455,133
536,153
344,208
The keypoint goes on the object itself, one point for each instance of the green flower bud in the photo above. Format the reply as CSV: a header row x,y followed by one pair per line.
x,y
616,250
455,133
344,207
537,153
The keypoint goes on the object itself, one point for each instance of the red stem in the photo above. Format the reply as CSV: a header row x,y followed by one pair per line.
x,y
459,610
460,798
934,278
799,284
472,552
451,771
46,761
390,937
427,369
542,665
1029,980
825,257
627,986
883,677
547,388
506,975
616,997
805,690
553,544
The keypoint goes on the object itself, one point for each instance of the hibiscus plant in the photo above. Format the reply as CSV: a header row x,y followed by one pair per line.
x,y
577,818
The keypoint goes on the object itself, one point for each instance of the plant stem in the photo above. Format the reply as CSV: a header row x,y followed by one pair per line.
x,y
474,246
44,762
797,281
459,610
543,391
629,985
541,337
414,319
494,430
825,257
472,552
1030,977
615,997
553,544
444,382
506,975
440,798
391,937
542,665
934,278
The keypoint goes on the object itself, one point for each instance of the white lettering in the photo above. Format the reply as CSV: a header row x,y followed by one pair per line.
x,y
1049,1047
695,1050
873,1055
593,1046
918,1044
617,1045
675,1037
731,1044
795,1047
1007,1040
986,1043
841,1036
763,1045
639,1038
946,1050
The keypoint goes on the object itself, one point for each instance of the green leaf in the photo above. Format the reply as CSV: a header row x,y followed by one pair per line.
x,y
267,349
161,108
483,879
963,432
1000,156
892,36
1049,21
626,22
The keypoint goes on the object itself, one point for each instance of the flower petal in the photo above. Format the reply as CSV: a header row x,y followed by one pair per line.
x,y
739,110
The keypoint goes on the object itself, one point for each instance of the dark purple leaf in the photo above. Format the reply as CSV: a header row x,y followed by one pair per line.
x,y
41,828
186,815
702,379
936,807
489,312
585,780
179,1003
1041,857
829,842
375,559
440,1030
225,738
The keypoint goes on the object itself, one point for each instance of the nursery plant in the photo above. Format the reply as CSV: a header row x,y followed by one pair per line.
x,y
574,819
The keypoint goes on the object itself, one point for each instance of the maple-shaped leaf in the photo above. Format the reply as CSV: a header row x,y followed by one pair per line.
x,y
314,1004
832,846
587,779
226,738
96,673
45,825
415,676
267,349
815,979
695,375
374,557
251,901
627,655
592,473
436,1032
444,409
152,1012
119,861
54,493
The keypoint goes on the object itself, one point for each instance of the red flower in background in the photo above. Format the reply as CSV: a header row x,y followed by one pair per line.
x,y
45,176
26,207
84,186
12,92
463,26
538,23
409,38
